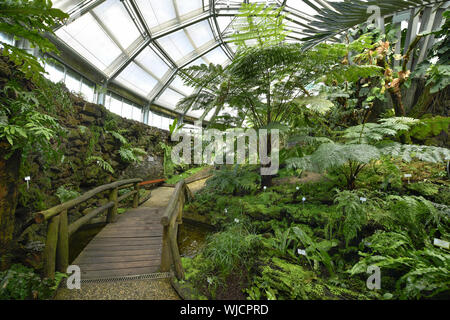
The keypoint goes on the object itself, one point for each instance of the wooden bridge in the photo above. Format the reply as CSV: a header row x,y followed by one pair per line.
x,y
141,241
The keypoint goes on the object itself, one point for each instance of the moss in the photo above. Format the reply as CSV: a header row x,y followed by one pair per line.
x,y
431,127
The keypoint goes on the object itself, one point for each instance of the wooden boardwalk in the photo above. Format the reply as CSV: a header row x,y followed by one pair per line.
x,y
130,246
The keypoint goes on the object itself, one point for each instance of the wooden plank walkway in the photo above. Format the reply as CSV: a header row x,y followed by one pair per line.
x,y
130,246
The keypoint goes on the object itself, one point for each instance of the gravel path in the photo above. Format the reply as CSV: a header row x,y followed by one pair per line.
x,y
158,289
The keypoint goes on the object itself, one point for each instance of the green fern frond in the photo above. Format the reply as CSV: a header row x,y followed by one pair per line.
x,y
101,163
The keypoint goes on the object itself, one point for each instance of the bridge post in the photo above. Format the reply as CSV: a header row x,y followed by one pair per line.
x,y
136,195
112,212
166,255
50,247
62,252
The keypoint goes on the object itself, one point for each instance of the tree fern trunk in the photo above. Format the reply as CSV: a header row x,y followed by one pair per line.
x,y
9,176
266,180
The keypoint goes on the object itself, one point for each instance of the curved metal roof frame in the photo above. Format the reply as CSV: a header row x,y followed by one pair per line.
x,y
126,63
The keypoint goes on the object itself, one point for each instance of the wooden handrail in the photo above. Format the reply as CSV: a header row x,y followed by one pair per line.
x,y
172,217
56,253
49,213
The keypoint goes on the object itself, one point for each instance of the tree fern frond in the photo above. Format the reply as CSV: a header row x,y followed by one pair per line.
x,y
408,152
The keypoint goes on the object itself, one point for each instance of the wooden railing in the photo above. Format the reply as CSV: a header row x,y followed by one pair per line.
x,y
56,253
172,217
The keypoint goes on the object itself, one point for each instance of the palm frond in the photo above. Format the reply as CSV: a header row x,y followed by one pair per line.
x,y
350,13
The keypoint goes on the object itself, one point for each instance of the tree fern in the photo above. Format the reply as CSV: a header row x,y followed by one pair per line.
x,y
233,181
409,152
371,133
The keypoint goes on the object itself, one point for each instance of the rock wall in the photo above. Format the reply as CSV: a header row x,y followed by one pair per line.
x,y
88,132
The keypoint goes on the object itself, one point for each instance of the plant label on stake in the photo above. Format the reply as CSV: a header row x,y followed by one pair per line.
x,y
362,199
441,243
27,179
301,252
303,200
408,175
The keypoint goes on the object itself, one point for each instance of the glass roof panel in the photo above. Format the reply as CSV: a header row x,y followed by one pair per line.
x,y
105,34
66,5
114,16
153,62
136,79
188,6
302,6
177,45
156,12
200,33
87,38
169,98
195,113
179,85
216,56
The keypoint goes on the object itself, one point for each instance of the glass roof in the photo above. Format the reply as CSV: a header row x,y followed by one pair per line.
x,y
142,44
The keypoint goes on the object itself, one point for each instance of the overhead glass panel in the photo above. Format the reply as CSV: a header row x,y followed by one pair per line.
x,y
156,12
169,98
216,56
153,62
179,85
302,7
195,113
88,39
177,45
200,33
66,5
188,6
114,16
137,79
224,22
197,62
104,32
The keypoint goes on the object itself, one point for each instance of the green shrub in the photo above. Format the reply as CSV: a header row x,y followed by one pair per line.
x,y
22,283
419,273
236,180
65,195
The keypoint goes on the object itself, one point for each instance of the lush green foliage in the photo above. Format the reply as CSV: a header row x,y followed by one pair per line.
x,y
29,20
235,180
21,283
65,195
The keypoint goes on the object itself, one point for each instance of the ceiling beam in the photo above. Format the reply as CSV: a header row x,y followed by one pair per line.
x,y
152,40
79,10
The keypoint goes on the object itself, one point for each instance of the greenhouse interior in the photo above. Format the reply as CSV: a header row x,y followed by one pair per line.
x,y
224,150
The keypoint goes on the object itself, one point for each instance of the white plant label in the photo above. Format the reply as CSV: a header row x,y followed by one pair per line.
x,y
303,199
301,252
27,179
441,243
363,199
